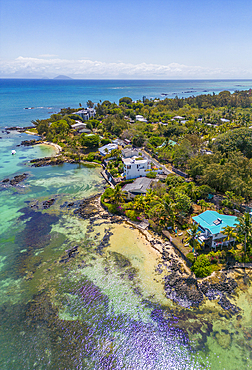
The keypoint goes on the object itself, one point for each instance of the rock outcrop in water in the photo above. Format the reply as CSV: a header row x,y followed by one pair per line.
x,y
47,161
16,180
188,291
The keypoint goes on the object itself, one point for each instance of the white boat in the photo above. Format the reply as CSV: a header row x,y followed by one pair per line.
x,y
13,152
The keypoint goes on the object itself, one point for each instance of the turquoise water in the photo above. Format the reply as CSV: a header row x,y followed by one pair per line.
x,y
105,308
69,315
49,96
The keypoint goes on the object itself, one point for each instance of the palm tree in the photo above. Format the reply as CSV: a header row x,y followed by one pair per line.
x,y
139,203
165,210
192,236
203,204
244,228
118,195
192,191
169,210
229,232
151,199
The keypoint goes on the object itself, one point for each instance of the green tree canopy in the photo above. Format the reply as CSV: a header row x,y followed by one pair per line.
x,y
59,127
126,100
237,139
91,141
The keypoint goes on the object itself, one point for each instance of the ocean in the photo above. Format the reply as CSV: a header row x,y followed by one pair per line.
x,y
22,101
105,308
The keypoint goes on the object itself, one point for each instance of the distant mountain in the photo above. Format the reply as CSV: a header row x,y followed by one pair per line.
x,y
62,77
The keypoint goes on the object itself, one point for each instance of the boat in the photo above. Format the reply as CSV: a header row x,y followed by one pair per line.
x,y
13,152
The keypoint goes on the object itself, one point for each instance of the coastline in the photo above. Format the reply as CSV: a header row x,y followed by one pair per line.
x,y
179,282
181,285
56,146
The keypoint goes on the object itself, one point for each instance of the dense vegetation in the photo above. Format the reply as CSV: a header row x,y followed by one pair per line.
x,y
208,137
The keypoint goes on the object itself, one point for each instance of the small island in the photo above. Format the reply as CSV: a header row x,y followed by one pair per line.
x,y
62,77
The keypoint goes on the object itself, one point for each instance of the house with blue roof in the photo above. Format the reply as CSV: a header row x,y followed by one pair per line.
x,y
211,224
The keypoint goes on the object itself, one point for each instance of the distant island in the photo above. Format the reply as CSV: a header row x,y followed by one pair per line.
x,y
62,77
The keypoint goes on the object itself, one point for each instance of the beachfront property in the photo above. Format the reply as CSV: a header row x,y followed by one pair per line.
x,y
139,186
106,149
86,114
135,167
211,224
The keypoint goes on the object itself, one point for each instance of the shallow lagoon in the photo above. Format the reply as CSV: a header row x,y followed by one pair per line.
x,y
103,309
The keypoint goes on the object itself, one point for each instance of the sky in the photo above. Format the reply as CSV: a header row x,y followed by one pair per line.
x,y
130,39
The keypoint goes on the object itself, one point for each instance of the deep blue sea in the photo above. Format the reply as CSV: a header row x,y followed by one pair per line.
x,y
104,309
48,96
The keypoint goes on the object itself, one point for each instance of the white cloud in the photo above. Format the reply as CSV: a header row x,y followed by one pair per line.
x,y
49,66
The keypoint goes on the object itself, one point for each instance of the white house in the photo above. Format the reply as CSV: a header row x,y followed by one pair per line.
x,y
106,149
87,113
134,167
140,118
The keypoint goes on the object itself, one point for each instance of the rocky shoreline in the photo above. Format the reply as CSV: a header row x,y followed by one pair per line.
x,y
180,284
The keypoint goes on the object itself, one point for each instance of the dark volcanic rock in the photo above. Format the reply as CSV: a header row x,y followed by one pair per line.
x,y
188,292
184,291
87,209
212,290
48,203
47,161
227,305
30,142
16,180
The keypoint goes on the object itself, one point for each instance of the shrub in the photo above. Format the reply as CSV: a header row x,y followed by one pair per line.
x,y
105,141
240,256
132,215
151,175
90,157
106,195
190,257
204,191
112,208
202,267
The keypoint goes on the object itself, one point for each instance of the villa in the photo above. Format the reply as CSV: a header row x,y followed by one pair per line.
x,y
135,167
211,224
86,114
